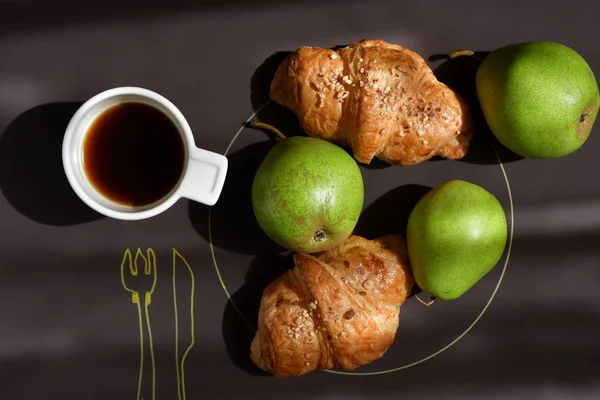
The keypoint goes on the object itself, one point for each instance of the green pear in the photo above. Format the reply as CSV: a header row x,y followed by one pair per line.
x,y
456,234
307,194
540,99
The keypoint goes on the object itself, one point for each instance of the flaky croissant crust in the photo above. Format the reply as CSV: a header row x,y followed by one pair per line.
x,y
337,310
379,99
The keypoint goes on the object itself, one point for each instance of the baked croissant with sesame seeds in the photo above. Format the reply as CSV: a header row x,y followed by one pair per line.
x,y
336,310
379,99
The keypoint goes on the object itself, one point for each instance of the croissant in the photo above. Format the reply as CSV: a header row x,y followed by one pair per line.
x,y
338,310
379,99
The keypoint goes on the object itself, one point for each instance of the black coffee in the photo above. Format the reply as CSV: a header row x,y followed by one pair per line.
x,y
133,154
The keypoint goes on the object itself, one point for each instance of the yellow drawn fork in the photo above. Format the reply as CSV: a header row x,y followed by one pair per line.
x,y
130,265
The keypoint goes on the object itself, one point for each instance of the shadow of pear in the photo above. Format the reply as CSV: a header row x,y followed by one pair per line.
x,y
232,222
459,73
32,176
241,312
389,213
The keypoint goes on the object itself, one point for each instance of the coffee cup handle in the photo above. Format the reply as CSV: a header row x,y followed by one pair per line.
x,y
204,176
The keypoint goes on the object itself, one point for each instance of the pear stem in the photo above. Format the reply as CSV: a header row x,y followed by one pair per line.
x,y
428,303
271,128
462,53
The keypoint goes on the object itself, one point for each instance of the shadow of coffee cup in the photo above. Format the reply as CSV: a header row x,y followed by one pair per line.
x,y
129,154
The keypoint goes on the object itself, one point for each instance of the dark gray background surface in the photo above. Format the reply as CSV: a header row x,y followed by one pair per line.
x,y
68,329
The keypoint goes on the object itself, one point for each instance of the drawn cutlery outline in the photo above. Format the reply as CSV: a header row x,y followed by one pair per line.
x,y
131,266
180,364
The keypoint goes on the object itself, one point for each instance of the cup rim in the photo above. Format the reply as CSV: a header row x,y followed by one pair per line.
x,y
71,133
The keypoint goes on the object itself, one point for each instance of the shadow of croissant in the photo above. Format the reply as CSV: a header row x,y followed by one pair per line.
x,y
241,313
272,113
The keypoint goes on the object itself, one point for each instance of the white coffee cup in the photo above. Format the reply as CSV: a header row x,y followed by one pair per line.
x,y
203,174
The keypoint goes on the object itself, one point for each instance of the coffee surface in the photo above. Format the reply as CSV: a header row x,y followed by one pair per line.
x,y
133,154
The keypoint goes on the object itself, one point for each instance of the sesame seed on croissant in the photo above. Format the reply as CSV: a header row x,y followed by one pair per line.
x,y
379,99
338,310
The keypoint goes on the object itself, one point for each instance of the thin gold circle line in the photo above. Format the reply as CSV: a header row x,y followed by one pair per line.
x,y
220,277
467,330
243,126
470,327
210,241
212,252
